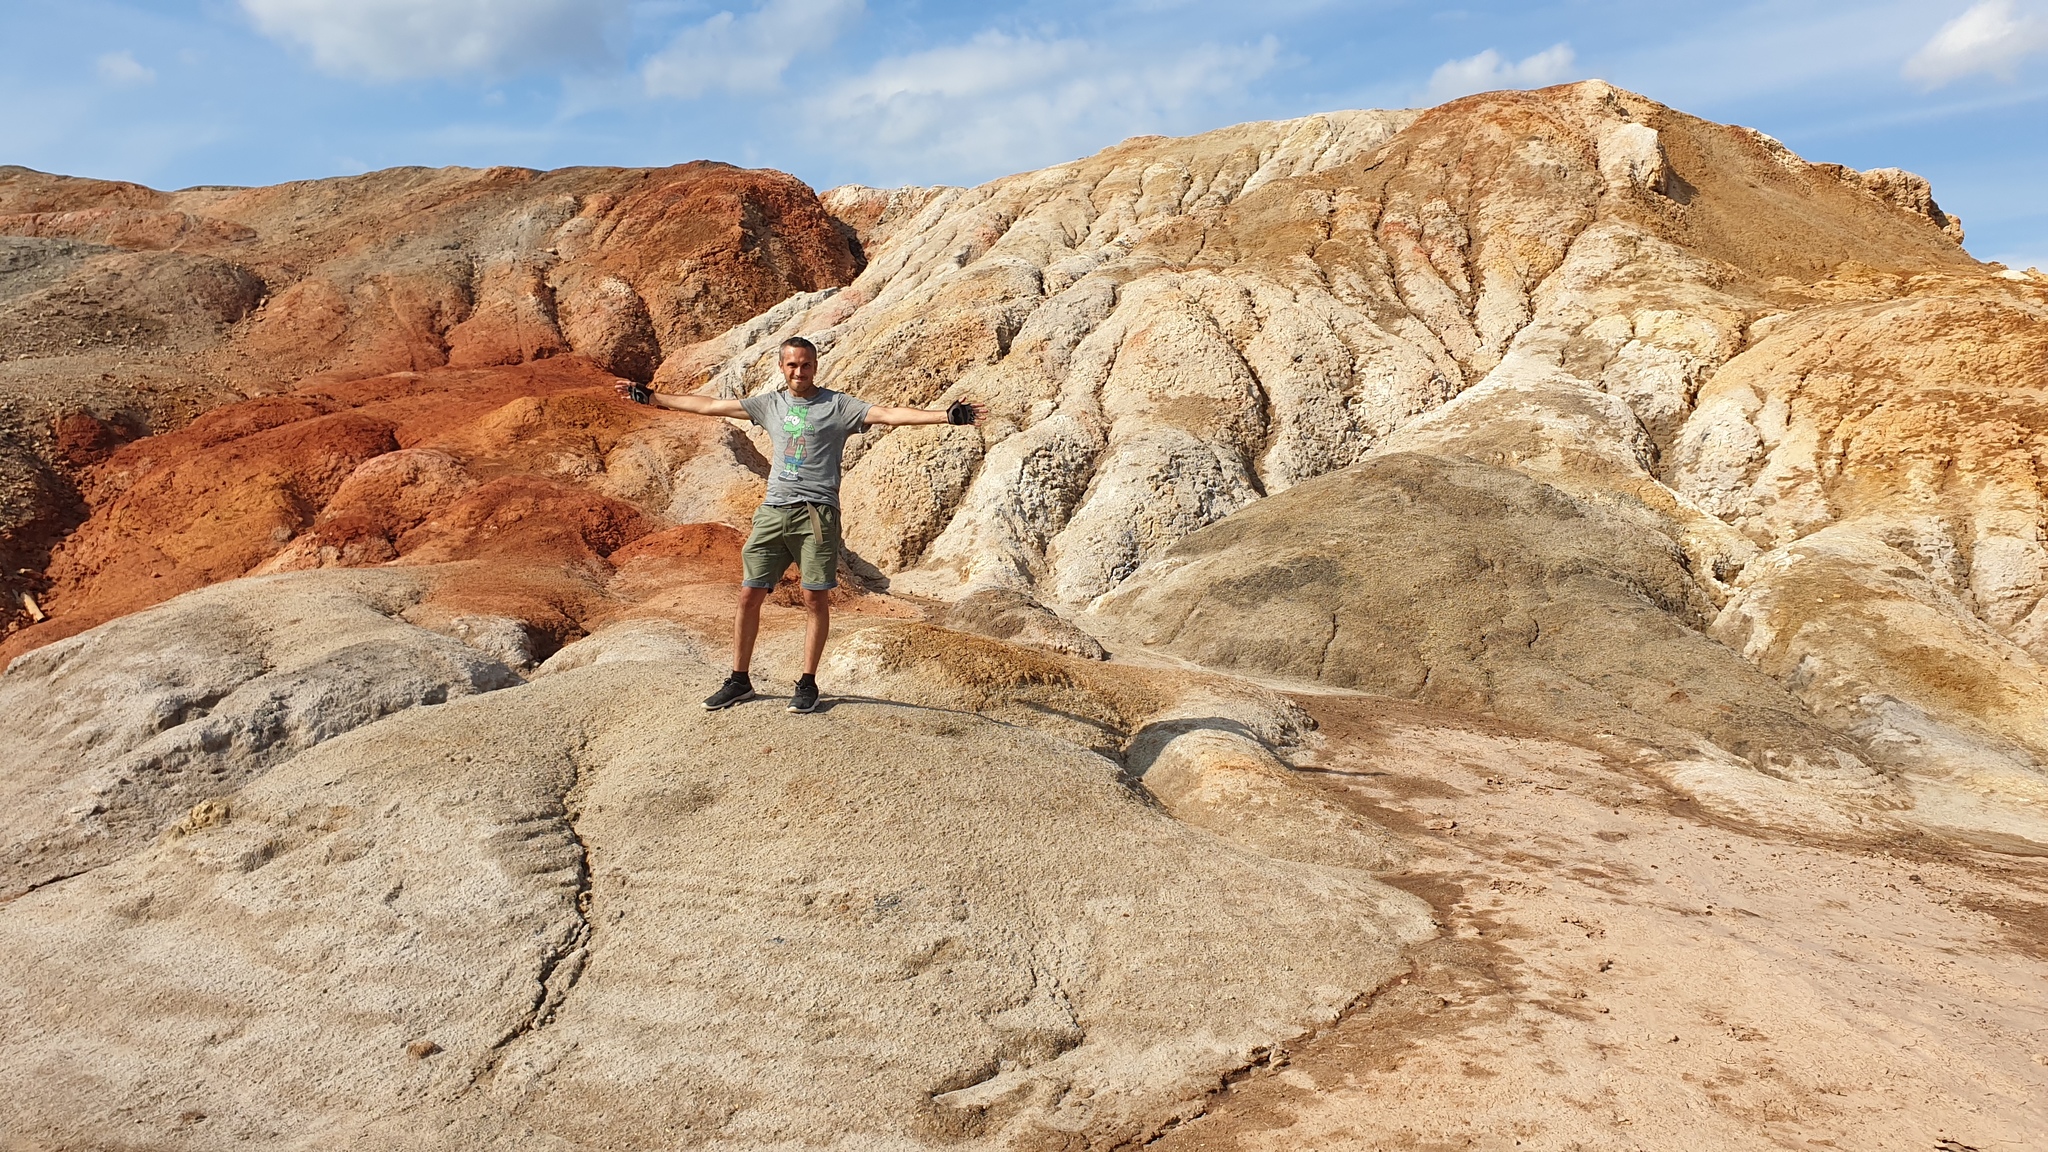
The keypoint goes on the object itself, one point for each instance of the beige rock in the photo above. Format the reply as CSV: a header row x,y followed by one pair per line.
x,y
1912,193
631,641
1340,580
114,733
1006,614
1208,773
1105,708
609,918
1879,649
1171,329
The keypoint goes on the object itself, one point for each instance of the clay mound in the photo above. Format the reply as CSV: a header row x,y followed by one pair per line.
x,y
58,297
416,268
141,309
1715,342
1171,329
716,546
1565,617
1006,614
1210,749
534,466
875,927
531,518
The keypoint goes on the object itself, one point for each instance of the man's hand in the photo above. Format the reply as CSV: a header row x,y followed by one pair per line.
x,y
633,390
898,417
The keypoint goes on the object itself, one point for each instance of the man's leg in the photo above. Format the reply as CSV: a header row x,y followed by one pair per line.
x,y
818,607
763,559
746,626
818,562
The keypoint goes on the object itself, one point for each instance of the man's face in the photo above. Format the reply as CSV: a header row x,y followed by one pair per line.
x,y
799,369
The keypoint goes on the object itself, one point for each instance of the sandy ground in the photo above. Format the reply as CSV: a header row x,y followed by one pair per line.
x,y
1619,971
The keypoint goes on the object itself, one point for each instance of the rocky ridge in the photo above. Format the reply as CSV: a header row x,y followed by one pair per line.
x,y
1678,323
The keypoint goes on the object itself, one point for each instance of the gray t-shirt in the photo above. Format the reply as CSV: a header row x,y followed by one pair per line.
x,y
809,437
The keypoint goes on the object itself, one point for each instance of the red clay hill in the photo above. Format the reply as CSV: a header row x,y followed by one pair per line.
x,y
398,307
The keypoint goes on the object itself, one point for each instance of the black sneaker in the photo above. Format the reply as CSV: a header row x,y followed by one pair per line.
x,y
805,697
737,687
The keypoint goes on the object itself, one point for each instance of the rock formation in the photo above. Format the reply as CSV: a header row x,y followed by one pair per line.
x,y
132,310
1346,477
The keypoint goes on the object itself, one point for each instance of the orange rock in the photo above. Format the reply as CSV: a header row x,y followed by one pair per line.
x,y
350,473
380,501
411,269
709,546
208,515
530,518
84,439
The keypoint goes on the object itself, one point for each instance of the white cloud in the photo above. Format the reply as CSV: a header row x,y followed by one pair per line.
x,y
1993,37
1001,103
122,68
746,53
405,39
1489,71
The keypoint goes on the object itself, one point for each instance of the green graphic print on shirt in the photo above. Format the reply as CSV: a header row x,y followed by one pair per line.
x,y
796,422
809,442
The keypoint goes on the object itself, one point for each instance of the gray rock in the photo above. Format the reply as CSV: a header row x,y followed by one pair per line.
x,y
586,913
114,733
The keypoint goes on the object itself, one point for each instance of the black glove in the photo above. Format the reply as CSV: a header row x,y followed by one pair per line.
x,y
640,394
960,413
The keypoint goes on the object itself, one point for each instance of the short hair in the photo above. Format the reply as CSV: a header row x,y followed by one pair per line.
x,y
797,342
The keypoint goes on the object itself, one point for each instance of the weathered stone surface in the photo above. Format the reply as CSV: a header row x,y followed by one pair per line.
x,y
1074,698
538,464
1566,616
1213,778
113,734
636,922
1171,329
119,301
1557,411
1884,653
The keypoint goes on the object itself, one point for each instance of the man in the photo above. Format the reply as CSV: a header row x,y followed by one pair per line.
x,y
798,522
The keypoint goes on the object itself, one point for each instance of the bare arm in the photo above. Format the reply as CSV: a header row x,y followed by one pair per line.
x,y
898,417
699,405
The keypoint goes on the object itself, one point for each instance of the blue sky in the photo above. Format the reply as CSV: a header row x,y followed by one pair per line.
x,y
885,92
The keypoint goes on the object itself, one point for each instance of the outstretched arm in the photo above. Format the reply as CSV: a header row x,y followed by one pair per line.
x,y
897,417
700,405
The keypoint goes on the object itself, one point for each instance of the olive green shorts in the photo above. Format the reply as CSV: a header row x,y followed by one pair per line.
x,y
806,535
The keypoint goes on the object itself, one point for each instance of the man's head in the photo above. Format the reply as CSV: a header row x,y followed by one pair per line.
x,y
799,364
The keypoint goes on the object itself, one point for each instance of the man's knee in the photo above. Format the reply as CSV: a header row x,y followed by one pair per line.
x,y
818,600
751,597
